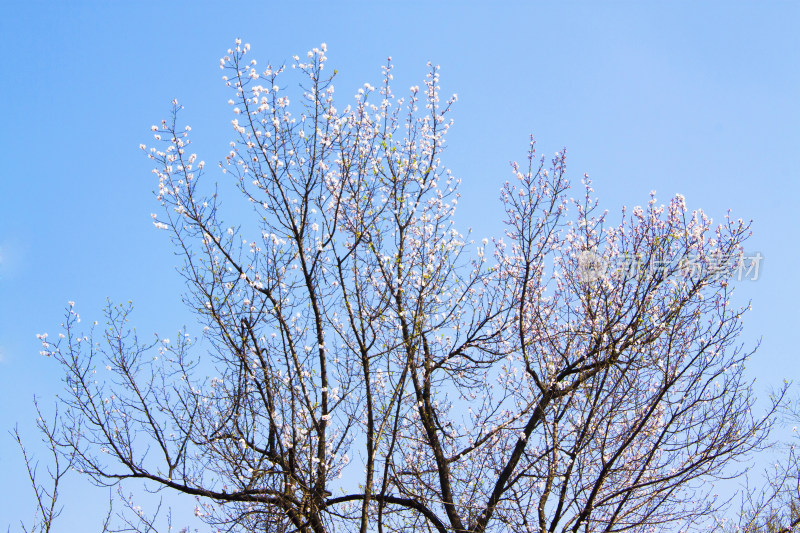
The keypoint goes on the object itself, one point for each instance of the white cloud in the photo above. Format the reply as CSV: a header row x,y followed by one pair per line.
x,y
10,255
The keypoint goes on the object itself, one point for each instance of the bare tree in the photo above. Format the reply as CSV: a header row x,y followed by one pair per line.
x,y
47,509
373,368
773,505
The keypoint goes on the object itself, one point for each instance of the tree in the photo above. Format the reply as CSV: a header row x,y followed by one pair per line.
x,y
774,507
375,369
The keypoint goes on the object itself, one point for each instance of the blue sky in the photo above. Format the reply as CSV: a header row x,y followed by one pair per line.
x,y
697,98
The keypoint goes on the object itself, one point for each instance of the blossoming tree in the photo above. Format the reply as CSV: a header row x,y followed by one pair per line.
x,y
377,370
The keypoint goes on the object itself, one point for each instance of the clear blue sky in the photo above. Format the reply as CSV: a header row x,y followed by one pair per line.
x,y
700,98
